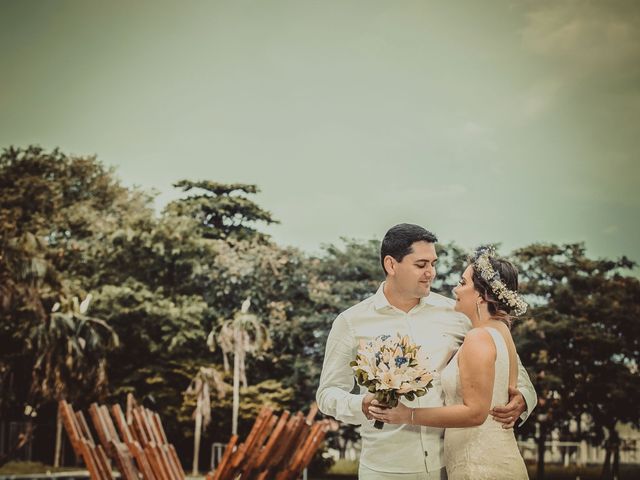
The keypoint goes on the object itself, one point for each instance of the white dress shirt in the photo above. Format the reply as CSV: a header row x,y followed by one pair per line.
x,y
432,324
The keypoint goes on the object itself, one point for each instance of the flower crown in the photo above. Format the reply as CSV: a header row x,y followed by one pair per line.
x,y
482,265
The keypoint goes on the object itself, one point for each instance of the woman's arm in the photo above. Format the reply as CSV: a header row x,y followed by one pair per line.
x,y
477,369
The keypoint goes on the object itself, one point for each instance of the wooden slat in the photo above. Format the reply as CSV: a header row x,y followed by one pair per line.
x,y
145,453
157,422
305,454
313,411
84,427
82,442
115,448
274,440
176,462
124,461
153,427
131,404
104,413
91,461
101,429
222,467
140,430
165,451
121,424
134,447
295,429
276,448
156,463
254,452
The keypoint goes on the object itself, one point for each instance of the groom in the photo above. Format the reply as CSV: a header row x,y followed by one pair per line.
x,y
404,303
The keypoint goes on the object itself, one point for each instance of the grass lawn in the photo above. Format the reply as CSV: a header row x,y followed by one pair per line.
x,y
592,472
348,470
26,468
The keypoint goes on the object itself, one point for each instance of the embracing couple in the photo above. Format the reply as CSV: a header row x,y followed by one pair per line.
x,y
480,388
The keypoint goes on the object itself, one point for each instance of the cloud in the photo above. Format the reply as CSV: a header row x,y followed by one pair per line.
x,y
589,36
586,48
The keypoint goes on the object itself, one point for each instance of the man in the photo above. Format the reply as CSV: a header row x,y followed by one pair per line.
x,y
403,304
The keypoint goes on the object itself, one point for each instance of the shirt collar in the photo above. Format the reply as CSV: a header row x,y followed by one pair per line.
x,y
381,302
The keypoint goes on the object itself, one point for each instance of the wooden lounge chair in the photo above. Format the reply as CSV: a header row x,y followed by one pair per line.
x,y
93,456
139,446
276,448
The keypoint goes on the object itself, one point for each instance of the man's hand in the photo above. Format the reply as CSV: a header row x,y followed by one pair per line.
x,y
366,403
509,414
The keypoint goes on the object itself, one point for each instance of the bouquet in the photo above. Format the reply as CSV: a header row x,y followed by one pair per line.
x,y
391,368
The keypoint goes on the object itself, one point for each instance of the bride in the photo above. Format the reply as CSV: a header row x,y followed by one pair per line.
x,y
477,377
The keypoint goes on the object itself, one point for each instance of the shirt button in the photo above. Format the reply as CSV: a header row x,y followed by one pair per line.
x,y
426,454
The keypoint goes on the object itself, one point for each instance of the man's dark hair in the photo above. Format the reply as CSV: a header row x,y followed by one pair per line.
x,y
398,240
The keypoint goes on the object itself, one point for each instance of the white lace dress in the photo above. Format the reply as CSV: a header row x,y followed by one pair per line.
x,y
487,451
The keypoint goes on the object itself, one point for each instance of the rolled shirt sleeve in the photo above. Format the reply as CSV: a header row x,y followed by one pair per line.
x,y
337,379
528,392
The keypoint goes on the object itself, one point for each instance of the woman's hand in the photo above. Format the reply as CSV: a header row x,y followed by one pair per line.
x,y
397,415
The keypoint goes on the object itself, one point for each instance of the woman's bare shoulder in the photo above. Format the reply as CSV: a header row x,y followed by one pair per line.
x,y
479,343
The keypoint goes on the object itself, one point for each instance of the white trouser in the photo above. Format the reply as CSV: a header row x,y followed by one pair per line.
x,y
365,473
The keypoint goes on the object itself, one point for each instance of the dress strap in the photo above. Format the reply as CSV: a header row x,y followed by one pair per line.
x,y
498,339
501,344
503,360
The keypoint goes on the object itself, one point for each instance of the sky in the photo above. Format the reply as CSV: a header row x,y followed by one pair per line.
x,y
495,121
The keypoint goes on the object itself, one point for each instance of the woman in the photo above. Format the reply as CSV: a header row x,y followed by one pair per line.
x,y
477,377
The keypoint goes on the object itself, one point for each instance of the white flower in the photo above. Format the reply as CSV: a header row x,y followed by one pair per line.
x,y
384,363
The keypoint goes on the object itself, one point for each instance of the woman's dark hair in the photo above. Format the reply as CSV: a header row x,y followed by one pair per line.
x,y
398,240
509,276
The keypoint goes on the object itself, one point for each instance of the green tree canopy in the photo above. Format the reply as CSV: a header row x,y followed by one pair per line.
x,y
581,340
221,210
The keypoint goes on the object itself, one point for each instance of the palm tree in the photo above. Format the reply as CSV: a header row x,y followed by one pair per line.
x,y
240,335
70,350
206,381
28,281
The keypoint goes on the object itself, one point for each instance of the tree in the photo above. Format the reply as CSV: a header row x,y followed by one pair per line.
x,y
70,351
49,205
160,282
581,340
452,260
28,283
271,393
222,210
242,334
207,381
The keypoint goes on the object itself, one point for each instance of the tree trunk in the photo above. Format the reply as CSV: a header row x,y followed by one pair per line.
x,y
342,448
243,372
612,445
606,468
196,438
541,440
225,361
237,341
616,455
58,448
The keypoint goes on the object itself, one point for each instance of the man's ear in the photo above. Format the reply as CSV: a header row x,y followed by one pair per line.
x,y
389,265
